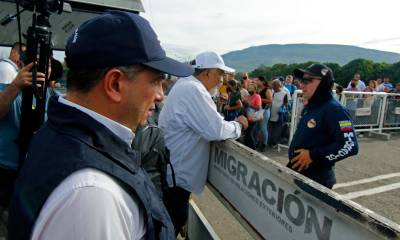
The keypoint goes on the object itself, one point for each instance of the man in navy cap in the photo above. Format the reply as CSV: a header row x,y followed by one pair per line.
x,y
81,178
325,133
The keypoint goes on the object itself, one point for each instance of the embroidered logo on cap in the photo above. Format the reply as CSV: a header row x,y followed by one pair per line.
x,y
324,71
75,36
311,123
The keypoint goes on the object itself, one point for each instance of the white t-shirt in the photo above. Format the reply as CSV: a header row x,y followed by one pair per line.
x,y
277,101
360,86
8,71
189,120
89,204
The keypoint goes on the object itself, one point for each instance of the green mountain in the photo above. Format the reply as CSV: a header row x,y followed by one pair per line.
x,y
250,58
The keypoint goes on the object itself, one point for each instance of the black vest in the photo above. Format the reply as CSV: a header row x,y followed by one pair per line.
x,y
69,141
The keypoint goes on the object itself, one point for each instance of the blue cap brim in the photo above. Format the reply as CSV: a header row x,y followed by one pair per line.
x,y
171,66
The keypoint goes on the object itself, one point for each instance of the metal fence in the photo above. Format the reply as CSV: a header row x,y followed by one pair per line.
x,y
391,118
366,109
371,111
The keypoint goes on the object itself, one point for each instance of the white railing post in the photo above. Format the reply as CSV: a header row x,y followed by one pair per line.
x,y
293,119
343,99
382,113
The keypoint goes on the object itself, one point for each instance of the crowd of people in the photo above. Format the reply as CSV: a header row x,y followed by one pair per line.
x,y
265,103
374,85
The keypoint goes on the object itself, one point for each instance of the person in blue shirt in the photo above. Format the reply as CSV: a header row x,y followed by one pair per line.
x,y
325,133
386,86
289,84
10,112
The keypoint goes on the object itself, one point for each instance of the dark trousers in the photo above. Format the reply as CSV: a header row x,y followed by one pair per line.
x,y
250,138
176,200
7,182
275,132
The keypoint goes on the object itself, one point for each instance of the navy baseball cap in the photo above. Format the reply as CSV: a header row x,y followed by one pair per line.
x,y
118,38
317,70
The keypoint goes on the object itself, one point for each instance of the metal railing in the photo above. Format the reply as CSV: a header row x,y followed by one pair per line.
x,y
391,116
366,109
371,111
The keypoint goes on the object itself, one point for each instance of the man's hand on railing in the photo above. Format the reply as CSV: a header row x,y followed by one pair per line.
x,y
243,121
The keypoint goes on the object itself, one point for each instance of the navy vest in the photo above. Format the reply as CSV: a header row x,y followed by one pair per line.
x,y
69,141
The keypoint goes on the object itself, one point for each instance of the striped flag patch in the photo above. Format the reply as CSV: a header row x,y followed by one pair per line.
x,y
345,126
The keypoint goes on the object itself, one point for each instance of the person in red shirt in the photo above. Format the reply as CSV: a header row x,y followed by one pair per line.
x,y
254,114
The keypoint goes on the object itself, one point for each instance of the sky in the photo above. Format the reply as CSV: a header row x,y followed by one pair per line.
x,y
188,27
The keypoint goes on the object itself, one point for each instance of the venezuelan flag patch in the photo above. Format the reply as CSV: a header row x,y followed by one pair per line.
x,y
345,126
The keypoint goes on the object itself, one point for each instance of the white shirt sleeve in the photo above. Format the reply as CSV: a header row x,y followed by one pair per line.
x,y
89,212
203,118
362,86
7,72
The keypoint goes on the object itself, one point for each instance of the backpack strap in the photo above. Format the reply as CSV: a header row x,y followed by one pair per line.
x,y
167,152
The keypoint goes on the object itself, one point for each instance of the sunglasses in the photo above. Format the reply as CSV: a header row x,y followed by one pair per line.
x,y
308,80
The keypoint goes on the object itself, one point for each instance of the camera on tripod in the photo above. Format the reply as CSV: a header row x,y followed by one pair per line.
x,y
38,51
44,8
38,37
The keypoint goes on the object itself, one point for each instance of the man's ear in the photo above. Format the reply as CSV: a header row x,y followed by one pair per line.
x,y
13,53
112,84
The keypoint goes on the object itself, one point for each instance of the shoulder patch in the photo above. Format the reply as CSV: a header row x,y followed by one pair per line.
x,y
311,123
345,126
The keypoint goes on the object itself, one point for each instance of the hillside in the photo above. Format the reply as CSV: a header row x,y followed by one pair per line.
x,y
250,58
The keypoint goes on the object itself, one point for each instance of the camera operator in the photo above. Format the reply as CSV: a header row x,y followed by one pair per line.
x,y
10,111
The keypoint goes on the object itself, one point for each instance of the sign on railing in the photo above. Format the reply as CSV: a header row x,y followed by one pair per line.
x,y
281,204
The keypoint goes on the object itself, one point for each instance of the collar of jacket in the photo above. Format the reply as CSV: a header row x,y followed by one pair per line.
x,y
77,124
319,98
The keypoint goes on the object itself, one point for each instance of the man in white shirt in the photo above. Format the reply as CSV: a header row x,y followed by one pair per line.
x,y
190,121
81,178
356,84
10,66
280,97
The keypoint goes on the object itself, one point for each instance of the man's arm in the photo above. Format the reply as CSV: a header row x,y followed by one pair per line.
x,y
23,79
348,86
6,98
202,117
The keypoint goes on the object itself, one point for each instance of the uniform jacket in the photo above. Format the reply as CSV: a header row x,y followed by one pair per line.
x,y
327,131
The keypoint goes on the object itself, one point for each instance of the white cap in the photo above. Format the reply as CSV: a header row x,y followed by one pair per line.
x,y
211,60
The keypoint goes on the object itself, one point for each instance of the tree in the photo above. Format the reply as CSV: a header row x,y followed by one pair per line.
x,y
343,74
